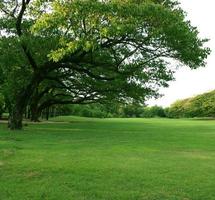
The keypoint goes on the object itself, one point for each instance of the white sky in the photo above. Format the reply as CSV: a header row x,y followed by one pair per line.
x,y
192,82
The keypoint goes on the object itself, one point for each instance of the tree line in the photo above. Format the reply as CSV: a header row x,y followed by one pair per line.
x,y
57,52
202,105
96,110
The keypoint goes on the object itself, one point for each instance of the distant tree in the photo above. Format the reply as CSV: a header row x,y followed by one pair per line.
x,y
203,105
157,111
120,48
198,106
179,109
133,110
154,111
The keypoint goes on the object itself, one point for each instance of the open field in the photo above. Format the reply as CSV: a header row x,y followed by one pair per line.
x,y
109,159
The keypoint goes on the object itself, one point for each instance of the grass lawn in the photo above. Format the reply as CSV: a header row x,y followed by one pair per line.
x,y
109,159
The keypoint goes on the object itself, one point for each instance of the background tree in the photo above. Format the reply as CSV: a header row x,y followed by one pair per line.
x,y
199,106
124,48
154,111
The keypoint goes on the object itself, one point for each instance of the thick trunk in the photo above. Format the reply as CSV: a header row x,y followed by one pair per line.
x,y
16,113
15,118
22,100
35,111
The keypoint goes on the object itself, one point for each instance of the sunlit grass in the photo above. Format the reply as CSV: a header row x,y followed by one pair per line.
x,y
109,159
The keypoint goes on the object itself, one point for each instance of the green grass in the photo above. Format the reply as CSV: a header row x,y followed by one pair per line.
x,y
109,159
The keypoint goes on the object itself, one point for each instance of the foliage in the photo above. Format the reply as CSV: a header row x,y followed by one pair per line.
x,y
107,111
93,51
95,110
199,106
154,111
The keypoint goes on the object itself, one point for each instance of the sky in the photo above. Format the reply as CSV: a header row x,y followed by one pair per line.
x,y
189,82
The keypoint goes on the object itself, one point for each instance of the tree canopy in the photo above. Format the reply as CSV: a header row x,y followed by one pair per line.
x,y
106,50
202,105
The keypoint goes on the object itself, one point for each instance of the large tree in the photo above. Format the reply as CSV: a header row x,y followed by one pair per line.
x,y
122,49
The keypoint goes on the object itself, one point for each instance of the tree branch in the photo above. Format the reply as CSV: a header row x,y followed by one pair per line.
x,y
20,33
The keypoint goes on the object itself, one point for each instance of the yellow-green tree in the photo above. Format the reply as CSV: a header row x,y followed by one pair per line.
x,y
202,105
121,49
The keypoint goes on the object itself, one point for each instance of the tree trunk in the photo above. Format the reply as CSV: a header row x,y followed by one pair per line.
x,y
29,113
21,101
35,114
15,118
47,113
